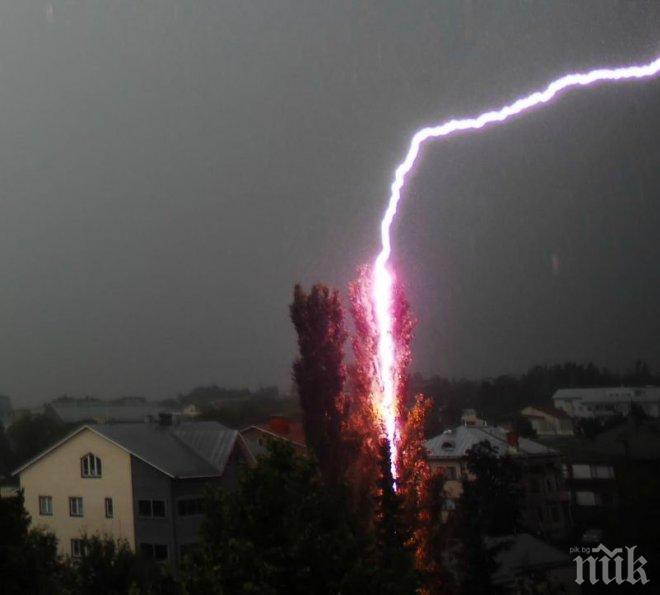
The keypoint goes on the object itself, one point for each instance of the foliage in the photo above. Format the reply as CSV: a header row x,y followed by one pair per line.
x,y
30,434
6,454
320,374
489,505
28,558
281,531
110,567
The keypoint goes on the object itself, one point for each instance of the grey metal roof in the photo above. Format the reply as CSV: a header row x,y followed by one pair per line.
x,y
185,450
522,553
194,449
102,411
455,443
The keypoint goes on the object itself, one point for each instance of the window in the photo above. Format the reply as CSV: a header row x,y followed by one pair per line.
x,y
190,506
90,466
109,508
160,552
581,472
76,548
144,508
154,551
151,508
158,508
602,471
586,499
45,505
75,506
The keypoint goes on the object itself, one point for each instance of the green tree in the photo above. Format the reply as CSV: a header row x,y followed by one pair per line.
x,y
110,567
281,531
320,375
31,434
28,558
489,506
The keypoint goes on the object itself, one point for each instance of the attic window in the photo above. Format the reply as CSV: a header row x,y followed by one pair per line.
x,y
447,445
90,466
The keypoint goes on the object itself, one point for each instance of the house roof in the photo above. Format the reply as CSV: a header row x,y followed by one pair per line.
x,y
185,450
253,437
80,411
522,553
547,410
457,442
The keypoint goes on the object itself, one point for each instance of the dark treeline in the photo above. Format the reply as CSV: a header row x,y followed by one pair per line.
x,y
501,398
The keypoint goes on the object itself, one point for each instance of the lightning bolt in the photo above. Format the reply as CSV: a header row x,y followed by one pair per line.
x,y
384,276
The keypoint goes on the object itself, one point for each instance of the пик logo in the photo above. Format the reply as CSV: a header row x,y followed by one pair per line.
x,y
610,566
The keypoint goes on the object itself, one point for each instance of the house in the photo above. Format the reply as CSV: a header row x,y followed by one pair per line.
x,y
545,500
548,421
144,483
94,411
276,428
524,561
605,402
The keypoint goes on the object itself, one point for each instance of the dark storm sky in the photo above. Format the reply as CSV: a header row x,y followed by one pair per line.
x,y
170,168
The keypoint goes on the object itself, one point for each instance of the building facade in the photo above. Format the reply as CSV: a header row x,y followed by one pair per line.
x,y
143,483
545,499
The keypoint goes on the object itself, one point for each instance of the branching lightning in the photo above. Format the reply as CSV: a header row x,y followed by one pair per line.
x,y
383,275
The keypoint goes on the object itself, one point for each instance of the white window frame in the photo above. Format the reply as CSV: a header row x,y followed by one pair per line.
x,y
109,508
587,498
46,505
76,508
76,548
91,466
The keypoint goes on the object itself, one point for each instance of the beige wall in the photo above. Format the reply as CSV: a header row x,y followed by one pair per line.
x,y
58,475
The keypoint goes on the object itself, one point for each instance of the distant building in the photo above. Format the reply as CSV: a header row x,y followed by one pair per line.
x,y
545,500
101,412
277,428
144,483
548,421
605,402
469,418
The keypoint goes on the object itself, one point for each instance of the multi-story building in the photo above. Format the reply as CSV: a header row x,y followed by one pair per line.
x,y
545,500
612,475
607,401
144,483
548,421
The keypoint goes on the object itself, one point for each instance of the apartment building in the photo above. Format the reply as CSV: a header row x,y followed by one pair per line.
x,y
545,499
607,401
144,483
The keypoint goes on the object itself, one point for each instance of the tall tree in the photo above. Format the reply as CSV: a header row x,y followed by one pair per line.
x,y
320,374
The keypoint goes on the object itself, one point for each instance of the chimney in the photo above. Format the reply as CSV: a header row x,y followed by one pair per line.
x,y
512,439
